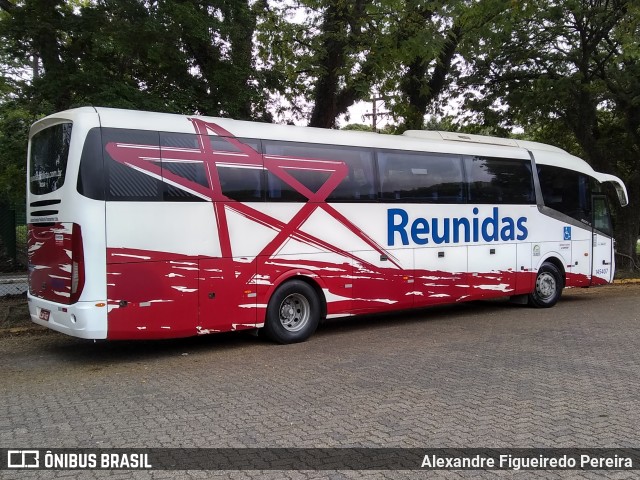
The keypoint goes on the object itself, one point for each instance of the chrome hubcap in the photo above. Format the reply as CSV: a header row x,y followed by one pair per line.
x,y
546,285
294,312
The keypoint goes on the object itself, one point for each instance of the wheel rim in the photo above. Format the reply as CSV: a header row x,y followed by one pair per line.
x,y
546,285
295,312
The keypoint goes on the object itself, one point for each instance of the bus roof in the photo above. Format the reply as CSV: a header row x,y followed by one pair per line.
x,y
268,131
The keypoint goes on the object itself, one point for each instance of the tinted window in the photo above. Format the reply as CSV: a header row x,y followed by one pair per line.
x,y
243,184
567,191
48,158
602,215
182,166
359,184
91,173
493,180
312,166
421,177
132,162
239,168
223,144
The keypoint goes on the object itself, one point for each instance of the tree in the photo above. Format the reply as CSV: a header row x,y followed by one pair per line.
x,y
166,56
568,72
344,52
346,33
424,40
181,57
425,46
329,60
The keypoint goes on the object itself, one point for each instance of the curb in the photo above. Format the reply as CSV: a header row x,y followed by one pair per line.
x,y
627,281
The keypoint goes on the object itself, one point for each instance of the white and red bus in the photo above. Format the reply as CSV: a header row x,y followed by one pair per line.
x,y
146,225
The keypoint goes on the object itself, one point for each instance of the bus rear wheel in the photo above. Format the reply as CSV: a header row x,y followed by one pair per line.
x,y
548,287
293,313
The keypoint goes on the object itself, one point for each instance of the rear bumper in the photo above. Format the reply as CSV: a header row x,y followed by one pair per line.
x,y
82,319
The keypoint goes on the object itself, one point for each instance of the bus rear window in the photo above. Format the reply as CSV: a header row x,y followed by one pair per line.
x,y
48,159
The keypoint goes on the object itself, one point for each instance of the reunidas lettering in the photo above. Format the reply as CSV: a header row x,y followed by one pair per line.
x,y
493,228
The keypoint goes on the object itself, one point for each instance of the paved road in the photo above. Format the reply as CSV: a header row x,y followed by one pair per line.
x,y
475,375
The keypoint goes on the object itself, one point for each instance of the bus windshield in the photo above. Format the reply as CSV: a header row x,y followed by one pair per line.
x,y
48,159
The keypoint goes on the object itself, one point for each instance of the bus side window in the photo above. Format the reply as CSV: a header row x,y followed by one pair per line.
x,y
421,177
181,157
91,173
567,191
125,183
359,183
184,155
241,184
357,186
240,168
498,180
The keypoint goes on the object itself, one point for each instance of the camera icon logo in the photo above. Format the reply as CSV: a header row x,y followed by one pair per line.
x,y
23,459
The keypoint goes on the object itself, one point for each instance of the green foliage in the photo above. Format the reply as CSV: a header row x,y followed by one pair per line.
x,y
568,73
14,129
325,61
181,57
165,56
358,127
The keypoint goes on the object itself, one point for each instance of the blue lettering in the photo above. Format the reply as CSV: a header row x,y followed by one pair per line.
x,y
392,227
457,223
437,237
523,230
420,227
476,229
508,230
442,230
493,223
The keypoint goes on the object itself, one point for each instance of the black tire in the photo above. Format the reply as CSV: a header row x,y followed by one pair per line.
x,y
548,287
293,313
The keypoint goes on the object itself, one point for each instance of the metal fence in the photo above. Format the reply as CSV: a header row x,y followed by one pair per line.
x,y
13,249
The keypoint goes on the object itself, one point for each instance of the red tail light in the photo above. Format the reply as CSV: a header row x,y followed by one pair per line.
x,y
77,264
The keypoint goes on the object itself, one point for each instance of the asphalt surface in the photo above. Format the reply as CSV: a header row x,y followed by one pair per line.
x,y
483,374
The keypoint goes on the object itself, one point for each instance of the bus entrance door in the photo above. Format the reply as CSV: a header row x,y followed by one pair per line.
x,y
602,266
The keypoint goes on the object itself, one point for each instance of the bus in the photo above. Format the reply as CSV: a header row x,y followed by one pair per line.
x,y
148,225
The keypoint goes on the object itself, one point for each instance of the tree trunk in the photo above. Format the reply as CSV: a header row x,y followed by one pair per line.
x,y
341,32
332,59
627,226
421,89
241,36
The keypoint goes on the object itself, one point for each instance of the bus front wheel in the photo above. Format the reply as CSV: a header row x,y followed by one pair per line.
x,y
548,287
293,313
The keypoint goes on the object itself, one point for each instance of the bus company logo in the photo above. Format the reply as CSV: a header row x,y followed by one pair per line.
x,y
23,459
492,228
